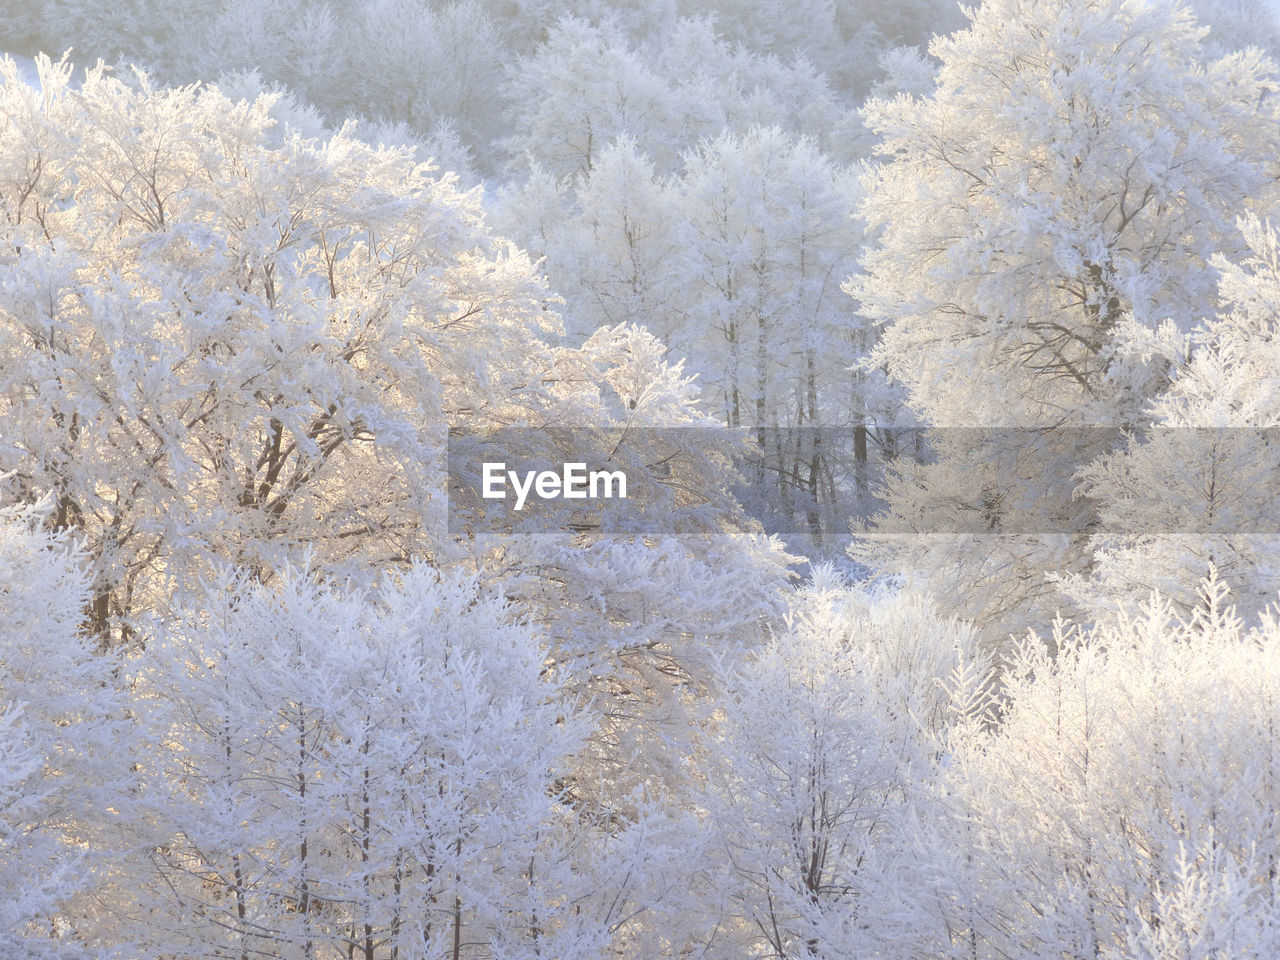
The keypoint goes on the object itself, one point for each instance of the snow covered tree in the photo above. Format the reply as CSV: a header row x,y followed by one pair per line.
x,y
63,776
678,85
1022,232
736,264
217,344
591,86
771,229
838,41
1058,197
771,233
1125,803
614,256
1198,490
370,774
724,88
374,59
1236,24
648,593
1209,907
384,62
825,737
40,872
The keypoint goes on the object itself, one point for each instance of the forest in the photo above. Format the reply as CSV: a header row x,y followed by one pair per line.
x,y
928,357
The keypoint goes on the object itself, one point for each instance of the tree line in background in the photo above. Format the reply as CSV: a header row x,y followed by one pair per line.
x,y
256,699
